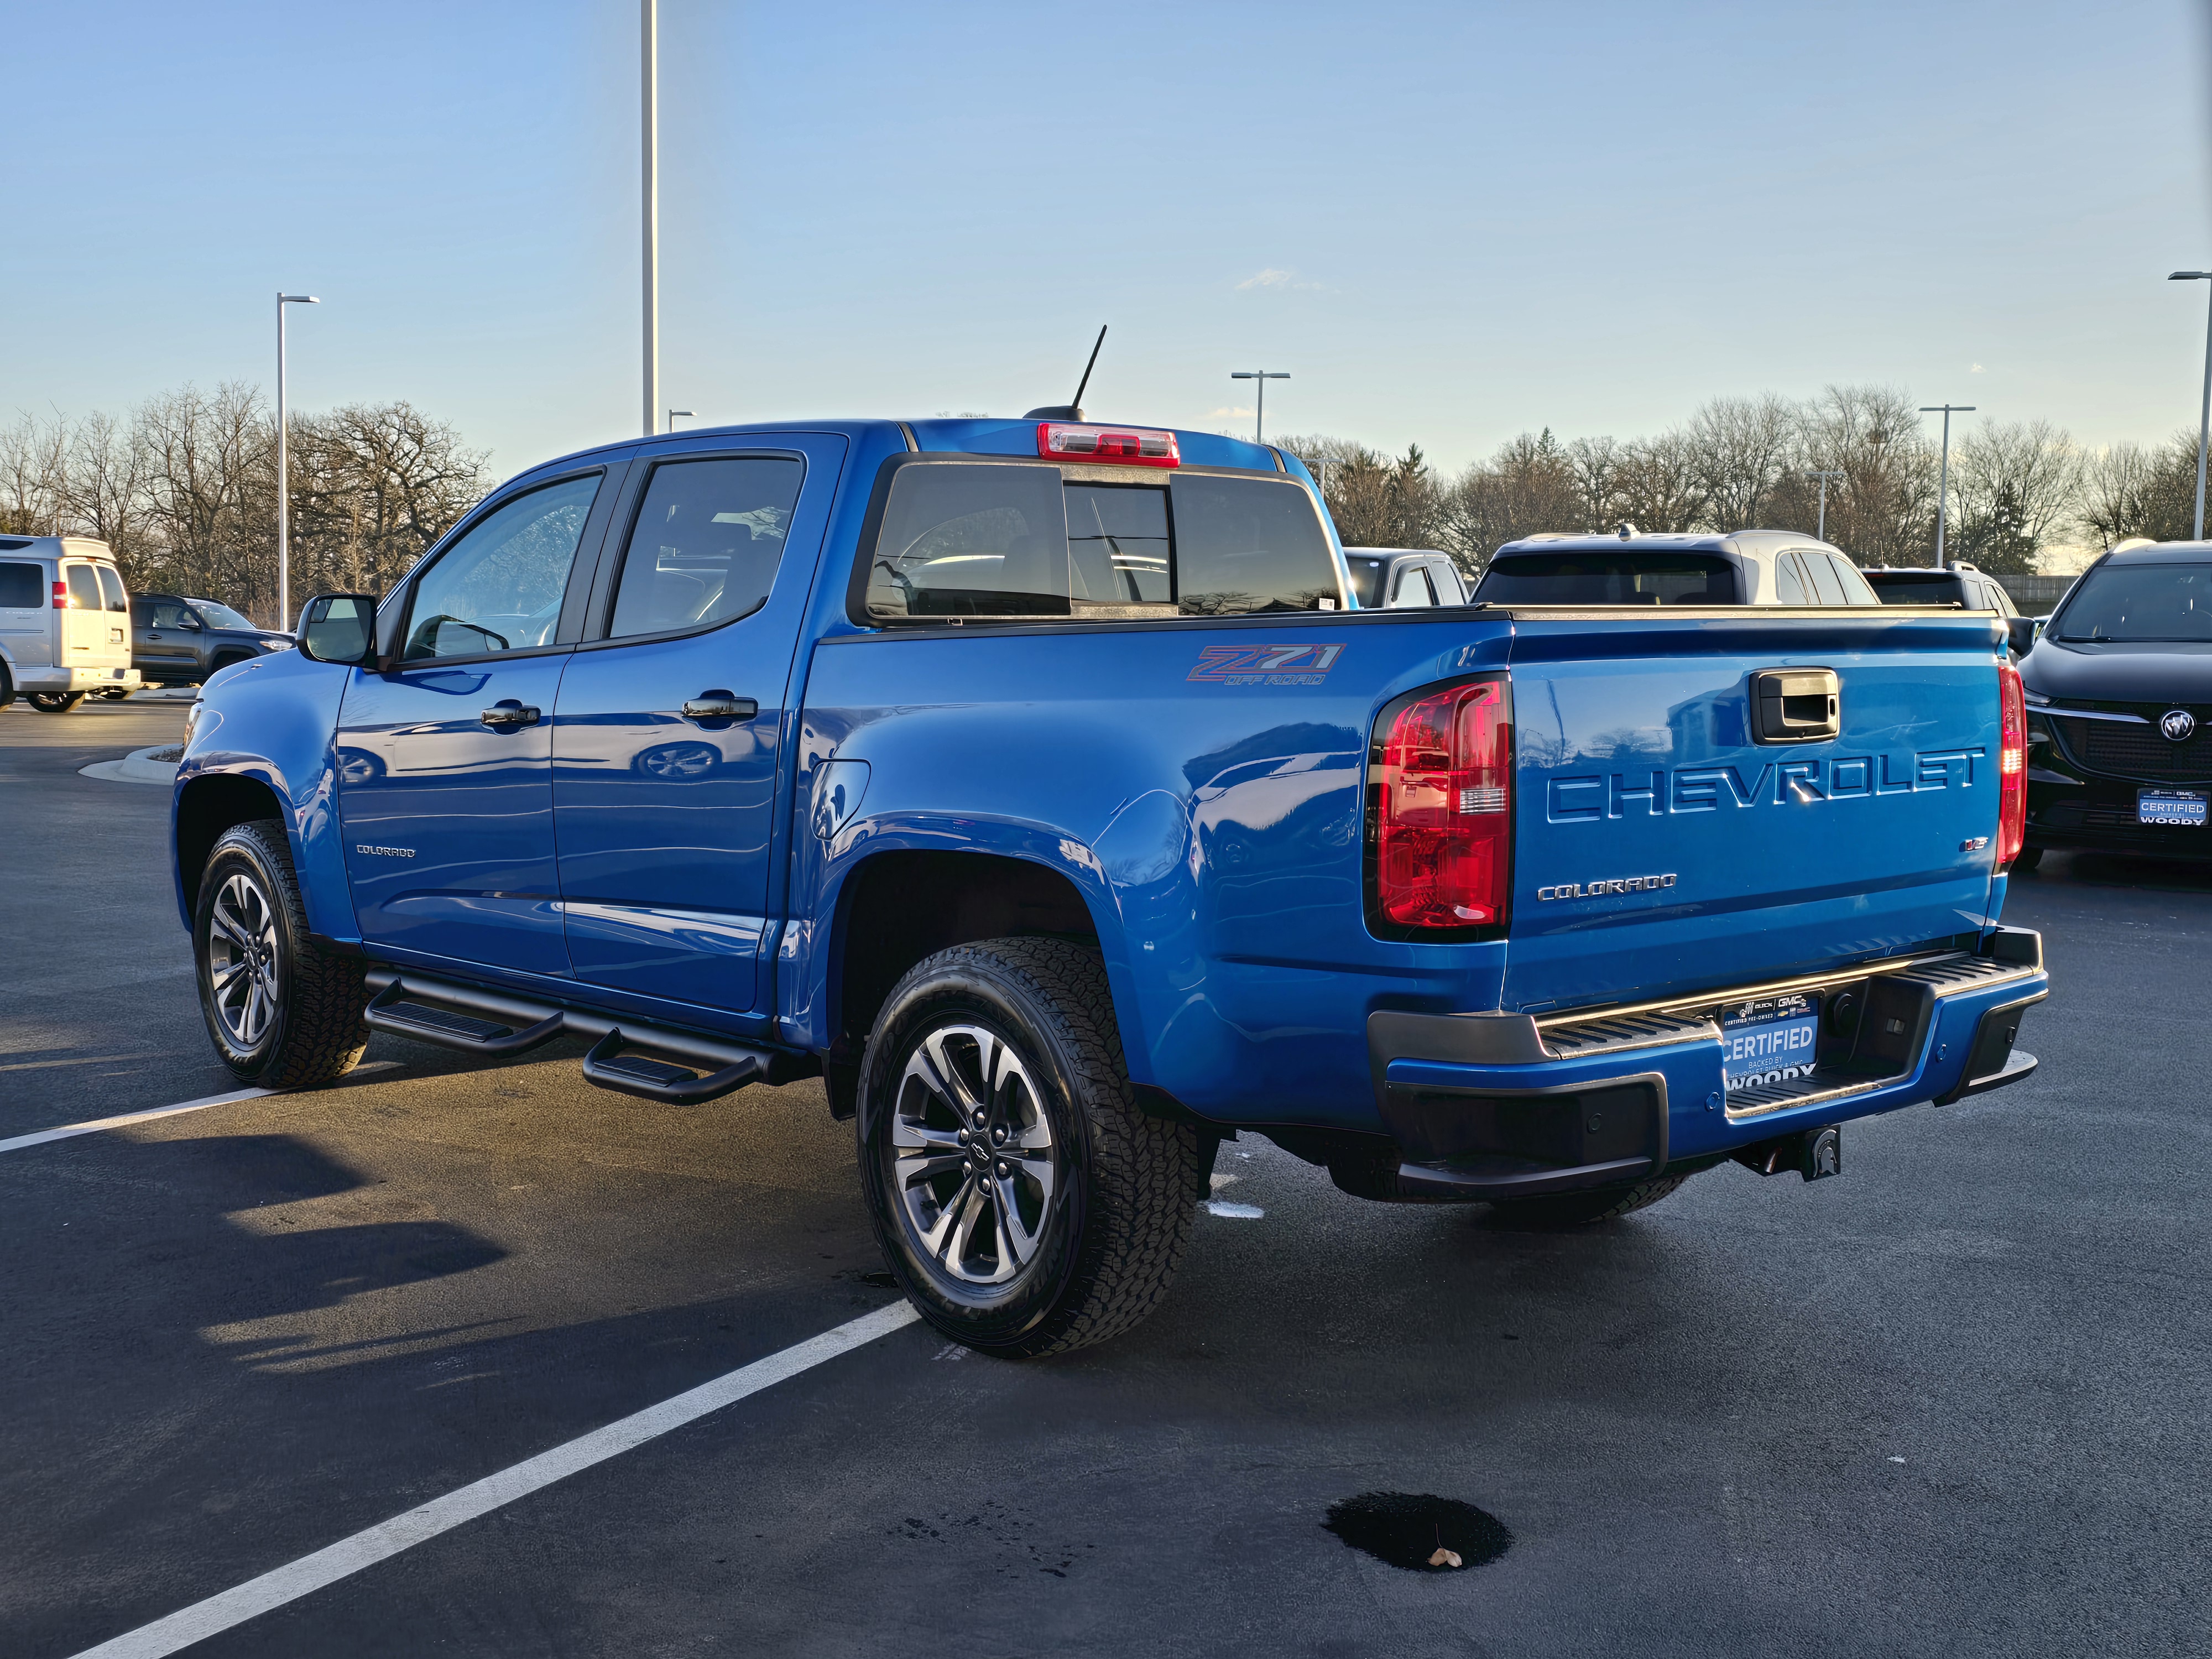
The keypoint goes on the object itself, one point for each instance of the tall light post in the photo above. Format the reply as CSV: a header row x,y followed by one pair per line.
x,y
1822,534
649,98
283,473
2204,419
673,413
1943,478
1258,415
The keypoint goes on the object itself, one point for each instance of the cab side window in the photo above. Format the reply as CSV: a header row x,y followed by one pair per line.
x,y
1823,582
707,543
1857,589
499,587
1789,587
168,613
1412,588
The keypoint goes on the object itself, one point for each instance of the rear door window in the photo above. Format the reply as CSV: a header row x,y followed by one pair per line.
x,y
83,587
1789,585
22,587
1598,577
976,539
1412,588
110,589
706,542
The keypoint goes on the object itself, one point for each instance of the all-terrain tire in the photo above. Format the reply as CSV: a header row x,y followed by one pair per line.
x,y
1107,1245
54,702
1584,1208
306,1028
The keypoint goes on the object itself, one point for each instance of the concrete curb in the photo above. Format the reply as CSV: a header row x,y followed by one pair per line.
x,y
134,768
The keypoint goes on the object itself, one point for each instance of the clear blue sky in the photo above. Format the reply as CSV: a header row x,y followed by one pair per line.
x,y
1449,223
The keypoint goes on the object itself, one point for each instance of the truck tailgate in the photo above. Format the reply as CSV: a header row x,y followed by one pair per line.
x,y
1662,846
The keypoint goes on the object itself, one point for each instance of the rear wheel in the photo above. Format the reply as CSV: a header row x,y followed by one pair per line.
x,y
282,1013
1025,1203
1583,1208
55,702
117,693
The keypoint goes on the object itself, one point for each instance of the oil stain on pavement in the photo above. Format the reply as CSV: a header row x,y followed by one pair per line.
x,y
1407,1529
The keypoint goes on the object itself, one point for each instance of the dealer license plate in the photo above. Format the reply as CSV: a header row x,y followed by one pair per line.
x,y
2181,808
1768,1040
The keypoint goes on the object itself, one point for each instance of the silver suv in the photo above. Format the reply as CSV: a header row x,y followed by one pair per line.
x,y
64,622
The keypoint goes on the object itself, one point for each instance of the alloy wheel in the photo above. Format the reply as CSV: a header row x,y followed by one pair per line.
x,y
973,1162
242,955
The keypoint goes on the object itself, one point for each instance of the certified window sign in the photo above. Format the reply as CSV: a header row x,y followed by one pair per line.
x,y
2181,809
1768,1040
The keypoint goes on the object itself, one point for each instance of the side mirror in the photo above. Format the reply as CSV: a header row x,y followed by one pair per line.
x,y
339,627
189,622
2021,632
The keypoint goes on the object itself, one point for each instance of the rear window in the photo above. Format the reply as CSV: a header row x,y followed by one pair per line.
x,y
22,587
2143,603
83,587
110,589
1602,577
1366,581
977,539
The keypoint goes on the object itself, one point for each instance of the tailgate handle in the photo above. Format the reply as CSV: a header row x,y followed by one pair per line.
x,y
1795,705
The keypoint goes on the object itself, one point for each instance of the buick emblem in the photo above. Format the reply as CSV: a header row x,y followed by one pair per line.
x,y
2178,724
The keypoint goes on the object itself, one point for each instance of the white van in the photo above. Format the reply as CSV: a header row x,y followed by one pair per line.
x,y
64,622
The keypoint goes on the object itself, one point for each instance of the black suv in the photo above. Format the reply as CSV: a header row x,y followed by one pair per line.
x,y
1956,584
179,642
2119,709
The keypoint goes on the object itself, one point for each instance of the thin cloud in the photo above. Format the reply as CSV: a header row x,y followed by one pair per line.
x,y
1218,413
1275,276
1977,369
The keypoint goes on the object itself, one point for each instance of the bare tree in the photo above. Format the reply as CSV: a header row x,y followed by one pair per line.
x,y
1882,510
372,487
2012,483
2128,490
1740,450
210,458
1528,486
1660,486
107,494
34,476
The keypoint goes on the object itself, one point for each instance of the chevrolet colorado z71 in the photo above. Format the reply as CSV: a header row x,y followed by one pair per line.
x,y
1038,785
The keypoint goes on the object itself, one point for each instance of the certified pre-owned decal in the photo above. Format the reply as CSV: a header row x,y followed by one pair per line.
x,y
1575,890
1265,665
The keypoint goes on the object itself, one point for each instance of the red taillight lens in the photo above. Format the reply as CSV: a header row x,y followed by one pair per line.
x,y
61,596
2012,765
1441,791
1123,446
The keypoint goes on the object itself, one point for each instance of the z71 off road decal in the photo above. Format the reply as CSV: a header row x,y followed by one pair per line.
x,y
1266,665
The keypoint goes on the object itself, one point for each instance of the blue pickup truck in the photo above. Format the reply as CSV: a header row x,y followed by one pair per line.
x,y
1041,787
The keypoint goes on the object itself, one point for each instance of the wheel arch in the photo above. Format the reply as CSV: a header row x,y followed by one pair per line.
x,y
207,805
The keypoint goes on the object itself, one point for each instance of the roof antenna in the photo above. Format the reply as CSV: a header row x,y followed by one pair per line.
x,y
1072,411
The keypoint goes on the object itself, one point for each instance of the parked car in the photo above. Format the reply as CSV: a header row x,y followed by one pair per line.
x,y
1959,584
1748,567
1030,782
180,641
63,622
2119,700
1398,578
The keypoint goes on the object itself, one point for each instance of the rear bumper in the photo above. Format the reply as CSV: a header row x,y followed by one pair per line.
x,y
1483,1106
79,679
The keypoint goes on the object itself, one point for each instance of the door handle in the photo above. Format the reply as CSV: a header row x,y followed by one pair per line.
x,y
719,706
508,713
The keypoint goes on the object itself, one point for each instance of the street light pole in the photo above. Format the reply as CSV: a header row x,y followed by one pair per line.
x,y
1260,414
1943,485
673,413
649,98
1822,534
283,472
2204,418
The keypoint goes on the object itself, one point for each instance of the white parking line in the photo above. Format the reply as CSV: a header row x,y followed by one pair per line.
x,y
43,1136
387,1539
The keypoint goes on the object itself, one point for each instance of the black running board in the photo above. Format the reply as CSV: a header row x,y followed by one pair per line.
x,y
631,1056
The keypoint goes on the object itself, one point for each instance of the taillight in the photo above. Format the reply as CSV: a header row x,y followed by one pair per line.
x,y
1440,810
61,596
2012,765
1124,445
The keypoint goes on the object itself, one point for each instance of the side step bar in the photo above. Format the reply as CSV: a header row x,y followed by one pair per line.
x,y
633,1057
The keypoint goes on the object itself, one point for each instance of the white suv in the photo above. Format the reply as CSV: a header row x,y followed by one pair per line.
x,y
64,621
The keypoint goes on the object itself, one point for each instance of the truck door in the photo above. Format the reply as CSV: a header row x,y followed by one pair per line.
x,y
665,776
85,626
445,764
167,636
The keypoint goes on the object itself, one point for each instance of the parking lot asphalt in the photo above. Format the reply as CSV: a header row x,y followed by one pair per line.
x,y
1955,1403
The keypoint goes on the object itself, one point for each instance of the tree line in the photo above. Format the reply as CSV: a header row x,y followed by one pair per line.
x,y
2016,488
182,489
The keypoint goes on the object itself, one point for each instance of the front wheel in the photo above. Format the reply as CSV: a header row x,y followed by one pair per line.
x,y
1026,1204
282,1013
54,702
118,693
